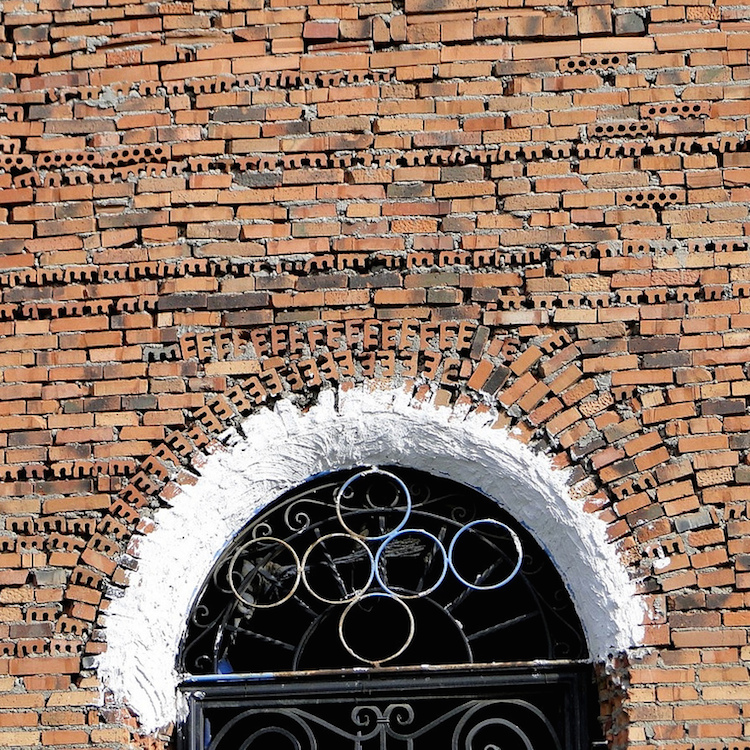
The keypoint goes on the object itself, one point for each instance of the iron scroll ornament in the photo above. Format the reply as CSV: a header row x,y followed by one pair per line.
x,y
508,707
512,724
380,566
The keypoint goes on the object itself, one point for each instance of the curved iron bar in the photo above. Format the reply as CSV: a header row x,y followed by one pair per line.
x,y
255,714
468,744
515,702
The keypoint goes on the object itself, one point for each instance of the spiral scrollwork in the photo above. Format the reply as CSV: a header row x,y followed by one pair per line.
x,y
296,517
454,722
262,529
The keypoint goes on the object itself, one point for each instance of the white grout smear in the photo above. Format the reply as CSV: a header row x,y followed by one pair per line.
x,y
284,447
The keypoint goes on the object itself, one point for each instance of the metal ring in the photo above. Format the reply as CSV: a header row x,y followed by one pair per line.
x,y
359,591
359,475
242,549
516,544
393,536
376,662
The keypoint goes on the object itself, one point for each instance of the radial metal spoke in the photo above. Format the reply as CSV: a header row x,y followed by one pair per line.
x,y
467,592
260,636
502,625
333,567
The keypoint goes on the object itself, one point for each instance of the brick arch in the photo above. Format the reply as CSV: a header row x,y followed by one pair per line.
x,y
552,392
275,450
502,375
541,391
563,394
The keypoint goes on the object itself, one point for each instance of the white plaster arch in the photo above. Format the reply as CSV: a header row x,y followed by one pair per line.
x,y
284,447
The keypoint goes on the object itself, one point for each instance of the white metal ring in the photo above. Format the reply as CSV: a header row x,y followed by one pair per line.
x,y
381,551
376,662
244,547
344,487
358,593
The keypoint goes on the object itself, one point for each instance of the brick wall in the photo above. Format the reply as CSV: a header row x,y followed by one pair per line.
x,y
208,206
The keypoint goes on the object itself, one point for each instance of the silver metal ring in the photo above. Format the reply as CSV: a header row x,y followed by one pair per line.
x,y
516,544
242,549
358,593
359,475
395,535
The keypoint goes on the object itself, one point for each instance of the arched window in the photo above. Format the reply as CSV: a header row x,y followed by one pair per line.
x,y
385,608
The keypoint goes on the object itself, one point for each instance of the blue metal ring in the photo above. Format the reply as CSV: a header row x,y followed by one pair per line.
x,y
516,544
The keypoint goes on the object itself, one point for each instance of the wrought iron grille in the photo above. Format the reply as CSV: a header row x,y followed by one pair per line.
x,y
370,573
508,708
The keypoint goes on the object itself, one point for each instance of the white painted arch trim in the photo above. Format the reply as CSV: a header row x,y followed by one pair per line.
x,y
284,447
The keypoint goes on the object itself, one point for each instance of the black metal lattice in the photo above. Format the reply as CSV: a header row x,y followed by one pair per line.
x,y
373,572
